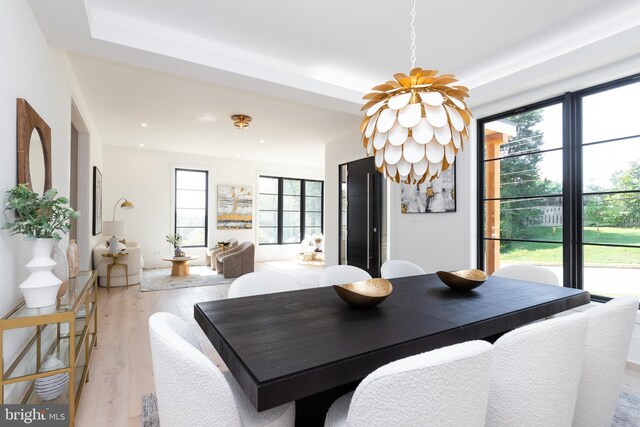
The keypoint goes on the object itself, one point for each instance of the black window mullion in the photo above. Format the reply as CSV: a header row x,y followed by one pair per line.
x,y
322,208
480,252
280,212
526,153
569,202
303,212
577,252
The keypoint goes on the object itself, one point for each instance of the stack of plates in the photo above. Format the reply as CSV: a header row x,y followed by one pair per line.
x,y
54,386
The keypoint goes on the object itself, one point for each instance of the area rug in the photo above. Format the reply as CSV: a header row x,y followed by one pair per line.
x,y
150,416
627,412
160,279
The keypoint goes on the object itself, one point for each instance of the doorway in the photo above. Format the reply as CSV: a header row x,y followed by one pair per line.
x,y
73,181
361,209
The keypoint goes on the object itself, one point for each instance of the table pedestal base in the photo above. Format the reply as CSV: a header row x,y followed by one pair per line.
x,y
312,410
180,268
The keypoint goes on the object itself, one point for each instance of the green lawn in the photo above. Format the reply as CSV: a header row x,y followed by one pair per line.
x,y
545,253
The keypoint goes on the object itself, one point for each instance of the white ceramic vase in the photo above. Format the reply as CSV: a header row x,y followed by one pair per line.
x,y
41,287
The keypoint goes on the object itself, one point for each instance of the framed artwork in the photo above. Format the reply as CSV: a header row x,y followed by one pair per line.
x,y
437,196
97,201
235,207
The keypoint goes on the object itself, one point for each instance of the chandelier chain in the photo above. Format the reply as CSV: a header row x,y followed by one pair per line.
x,y
413,34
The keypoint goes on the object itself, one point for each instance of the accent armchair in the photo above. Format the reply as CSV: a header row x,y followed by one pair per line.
x,y
214,251
237,261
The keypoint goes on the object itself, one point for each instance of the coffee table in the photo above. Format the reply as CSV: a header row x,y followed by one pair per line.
x,y
180,265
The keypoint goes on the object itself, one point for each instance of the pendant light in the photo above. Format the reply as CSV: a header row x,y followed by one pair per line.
x,y
415,125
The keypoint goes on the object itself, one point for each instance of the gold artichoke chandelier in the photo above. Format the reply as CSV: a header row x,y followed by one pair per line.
x,y
415,125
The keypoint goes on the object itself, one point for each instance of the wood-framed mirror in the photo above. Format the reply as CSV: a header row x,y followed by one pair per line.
x,y
34,148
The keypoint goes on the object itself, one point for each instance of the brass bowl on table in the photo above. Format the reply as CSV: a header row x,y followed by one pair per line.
x,y
366,293
463,280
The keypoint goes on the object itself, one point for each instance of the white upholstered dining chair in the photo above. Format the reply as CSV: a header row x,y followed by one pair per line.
x,y
261,283
536,373
447,387
192,391
399,268
608,337
339,274
530,273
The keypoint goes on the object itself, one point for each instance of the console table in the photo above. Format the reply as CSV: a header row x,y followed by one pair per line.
x,y
67,331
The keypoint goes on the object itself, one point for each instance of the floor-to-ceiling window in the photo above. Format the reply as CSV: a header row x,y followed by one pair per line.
x,y
609,137
523,188
559,186
191,206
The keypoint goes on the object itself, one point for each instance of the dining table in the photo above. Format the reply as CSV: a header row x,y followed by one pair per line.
x,y
309,346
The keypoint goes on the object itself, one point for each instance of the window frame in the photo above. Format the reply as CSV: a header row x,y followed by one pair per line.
x,y
280,210
206,205
572,192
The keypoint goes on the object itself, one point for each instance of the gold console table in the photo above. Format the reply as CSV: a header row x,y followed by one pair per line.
x,y
50,330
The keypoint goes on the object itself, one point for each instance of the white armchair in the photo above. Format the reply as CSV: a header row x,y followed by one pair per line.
x,y
133,261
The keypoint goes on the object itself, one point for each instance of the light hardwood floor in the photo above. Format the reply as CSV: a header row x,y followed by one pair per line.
x,y
121,370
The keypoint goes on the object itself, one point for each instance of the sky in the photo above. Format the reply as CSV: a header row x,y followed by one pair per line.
x,y
606,115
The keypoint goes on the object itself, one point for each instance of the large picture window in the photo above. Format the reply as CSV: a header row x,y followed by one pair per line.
x,y
559,186
191,202
288,209
609,190
523,189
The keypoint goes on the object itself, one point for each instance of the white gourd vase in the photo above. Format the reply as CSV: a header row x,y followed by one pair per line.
x,y
41,287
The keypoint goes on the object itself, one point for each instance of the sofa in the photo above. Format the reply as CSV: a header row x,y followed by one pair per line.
x,y
214,251
133,261
237,261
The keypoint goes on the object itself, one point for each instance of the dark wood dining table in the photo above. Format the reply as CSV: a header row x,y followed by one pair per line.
x,y
309,346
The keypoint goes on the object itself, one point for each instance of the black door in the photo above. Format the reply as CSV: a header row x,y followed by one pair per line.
x,y
363,215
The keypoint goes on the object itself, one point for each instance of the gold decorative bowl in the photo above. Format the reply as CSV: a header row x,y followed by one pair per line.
x,y
463,280
366,293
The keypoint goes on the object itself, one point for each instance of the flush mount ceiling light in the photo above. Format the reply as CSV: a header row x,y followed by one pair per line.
x,y
241,121
415,125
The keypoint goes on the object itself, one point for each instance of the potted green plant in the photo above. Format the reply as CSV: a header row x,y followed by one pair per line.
x,y
41,219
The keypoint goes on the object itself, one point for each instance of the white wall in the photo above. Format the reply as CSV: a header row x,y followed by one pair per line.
x,y
438,241
145,177
30,69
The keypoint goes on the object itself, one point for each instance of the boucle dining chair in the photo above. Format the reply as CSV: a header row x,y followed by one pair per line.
x,y
400,268
261,283
192,391
530,273
608,338
536,373
444,387
339,274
